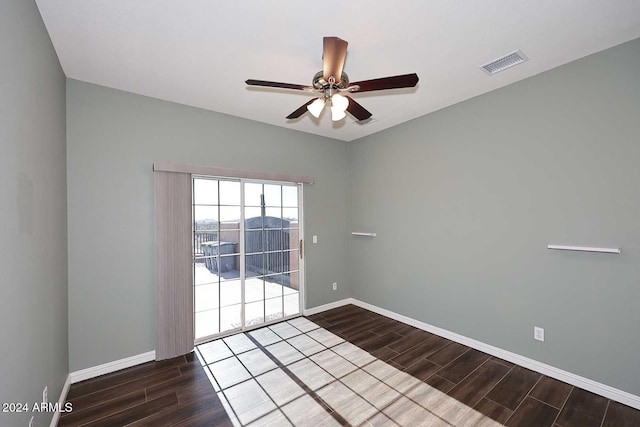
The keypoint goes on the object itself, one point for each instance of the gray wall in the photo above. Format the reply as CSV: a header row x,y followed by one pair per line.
x,y
33,242
113,138
465,201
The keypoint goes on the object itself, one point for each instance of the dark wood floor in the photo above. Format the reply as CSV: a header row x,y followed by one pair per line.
x,y
507,393
173,392
178,392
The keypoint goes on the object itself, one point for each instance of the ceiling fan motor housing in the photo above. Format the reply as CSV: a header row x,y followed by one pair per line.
x,y
322,85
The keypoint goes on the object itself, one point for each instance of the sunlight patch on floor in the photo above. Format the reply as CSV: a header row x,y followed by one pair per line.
x,y
319,379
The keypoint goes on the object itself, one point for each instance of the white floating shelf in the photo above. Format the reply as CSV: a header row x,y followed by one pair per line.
x,y
584,249
360,233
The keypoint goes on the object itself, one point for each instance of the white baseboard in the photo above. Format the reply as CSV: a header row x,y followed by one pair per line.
x,y
61,400
329,306
551,371
109,367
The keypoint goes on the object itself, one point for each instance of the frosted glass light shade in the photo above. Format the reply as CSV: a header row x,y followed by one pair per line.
x,y
337,115
339,105
315,108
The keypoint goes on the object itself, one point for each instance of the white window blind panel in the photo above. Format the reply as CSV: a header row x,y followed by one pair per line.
x,y
174,272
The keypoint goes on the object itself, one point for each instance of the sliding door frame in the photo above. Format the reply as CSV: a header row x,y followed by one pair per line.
x,y
301,257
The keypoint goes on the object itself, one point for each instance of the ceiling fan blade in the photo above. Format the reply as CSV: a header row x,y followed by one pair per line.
x,y
357,110
300,111
266,83
333,55
394,82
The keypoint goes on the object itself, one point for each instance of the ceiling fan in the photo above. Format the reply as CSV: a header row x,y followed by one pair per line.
x,y
331,81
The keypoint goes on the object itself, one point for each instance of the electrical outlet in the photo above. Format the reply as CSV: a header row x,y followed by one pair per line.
x,y
31,421
45,395
335,286
538,333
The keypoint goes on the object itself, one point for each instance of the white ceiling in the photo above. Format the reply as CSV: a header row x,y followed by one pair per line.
x,y
200,52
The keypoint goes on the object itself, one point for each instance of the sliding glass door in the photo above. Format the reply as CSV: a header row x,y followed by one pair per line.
x,y
216,252
246,254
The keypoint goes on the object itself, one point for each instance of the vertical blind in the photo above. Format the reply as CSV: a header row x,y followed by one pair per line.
x,y
174,273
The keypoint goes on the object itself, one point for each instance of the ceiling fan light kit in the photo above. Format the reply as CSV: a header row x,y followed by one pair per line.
x,y
338,102
329,82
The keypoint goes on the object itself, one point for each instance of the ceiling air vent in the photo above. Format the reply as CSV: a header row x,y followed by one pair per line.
x,y
507,61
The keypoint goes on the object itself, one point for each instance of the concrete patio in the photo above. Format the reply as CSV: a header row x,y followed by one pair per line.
x,y
218,301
